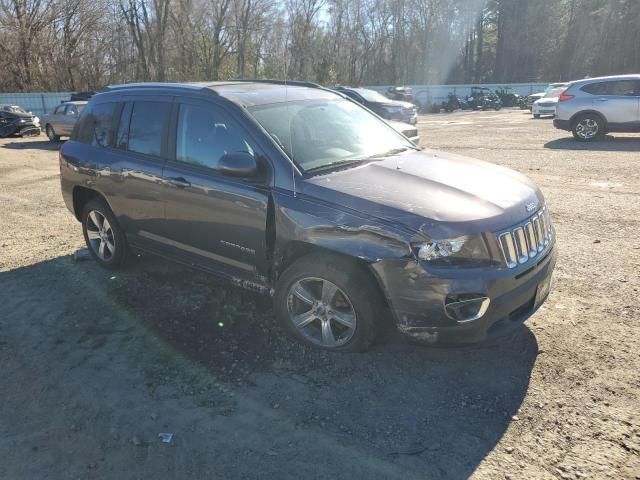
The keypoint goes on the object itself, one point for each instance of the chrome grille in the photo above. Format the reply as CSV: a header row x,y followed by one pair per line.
x,y
526,241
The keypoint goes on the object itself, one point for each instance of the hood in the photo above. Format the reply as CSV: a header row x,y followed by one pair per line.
x,y
7,114
394,103
547,100
438,194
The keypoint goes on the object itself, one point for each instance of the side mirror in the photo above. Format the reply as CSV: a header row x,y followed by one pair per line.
x,y
238,164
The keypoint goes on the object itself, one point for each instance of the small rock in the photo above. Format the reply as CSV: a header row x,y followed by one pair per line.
x,y
509,449
596,241
154,416
515,418
275,406
136,441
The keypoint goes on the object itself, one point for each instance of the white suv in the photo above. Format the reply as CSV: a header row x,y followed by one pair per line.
x,y
592,107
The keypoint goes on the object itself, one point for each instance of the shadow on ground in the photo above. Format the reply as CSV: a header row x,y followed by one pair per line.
x,y
607,144
399,411
35,144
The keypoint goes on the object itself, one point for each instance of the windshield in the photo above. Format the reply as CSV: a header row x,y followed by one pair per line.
x,y
372,96
13,108
320,133
555,92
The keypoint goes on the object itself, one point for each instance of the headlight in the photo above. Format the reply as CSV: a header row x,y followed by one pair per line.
x,y
22,120
466,250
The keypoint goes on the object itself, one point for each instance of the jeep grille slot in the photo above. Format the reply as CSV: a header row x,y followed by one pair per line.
x,y
526,241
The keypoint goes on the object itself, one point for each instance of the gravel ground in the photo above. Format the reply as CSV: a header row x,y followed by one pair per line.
x,y
96,364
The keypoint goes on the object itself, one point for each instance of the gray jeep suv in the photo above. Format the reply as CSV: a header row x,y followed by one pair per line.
x,y
302,193
590,108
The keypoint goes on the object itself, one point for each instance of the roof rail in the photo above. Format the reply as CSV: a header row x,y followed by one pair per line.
x,y
194,85
294,83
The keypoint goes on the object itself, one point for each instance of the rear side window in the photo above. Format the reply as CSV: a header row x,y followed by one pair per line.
x,y
96,126
617,87
148,127
205,134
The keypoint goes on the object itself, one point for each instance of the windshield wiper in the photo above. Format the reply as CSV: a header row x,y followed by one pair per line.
x,y
339,164
393,151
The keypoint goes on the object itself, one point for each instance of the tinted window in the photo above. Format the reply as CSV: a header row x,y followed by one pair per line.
x,y
205,134
59,109
619,87
96,125
148,127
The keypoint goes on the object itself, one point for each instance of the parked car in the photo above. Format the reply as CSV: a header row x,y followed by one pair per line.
x,y
547,104
409,131
61,121
295,191
81,96
595,106
15,121
404,94
531,99
385,107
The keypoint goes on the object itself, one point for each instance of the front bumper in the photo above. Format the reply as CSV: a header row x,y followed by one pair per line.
x,y
417,297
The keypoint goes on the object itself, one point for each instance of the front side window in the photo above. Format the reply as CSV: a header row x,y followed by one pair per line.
x,y
71,110
96,125
206,134
59,110
148,127
320,133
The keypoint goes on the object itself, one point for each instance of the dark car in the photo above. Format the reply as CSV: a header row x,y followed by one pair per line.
x,y
15,121
385,107
482,98
404,94
300,193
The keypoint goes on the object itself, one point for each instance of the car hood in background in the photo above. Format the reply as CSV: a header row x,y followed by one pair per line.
x,y
10,115
547,100
394,103
436,193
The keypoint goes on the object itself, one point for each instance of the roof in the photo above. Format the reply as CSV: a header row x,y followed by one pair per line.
x,y
244,92
630,76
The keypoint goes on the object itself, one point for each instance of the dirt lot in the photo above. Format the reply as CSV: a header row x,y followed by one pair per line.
x,y
95,364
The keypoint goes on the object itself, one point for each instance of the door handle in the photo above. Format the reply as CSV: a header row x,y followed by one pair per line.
x,y
179,182
604,99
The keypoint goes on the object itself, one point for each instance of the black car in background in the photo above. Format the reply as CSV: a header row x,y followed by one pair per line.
x,y
15,121
385,107
297,192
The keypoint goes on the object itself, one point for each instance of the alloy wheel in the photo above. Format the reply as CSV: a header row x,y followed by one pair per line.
x,y
587,128
321,312
101,236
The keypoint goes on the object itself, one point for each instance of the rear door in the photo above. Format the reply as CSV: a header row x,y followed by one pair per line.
x,y
619,102
135,165
68,120
57,119
213,219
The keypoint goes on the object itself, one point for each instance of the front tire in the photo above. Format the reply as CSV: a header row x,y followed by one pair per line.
x,y
51,134
329,302
587,127
536,115
105,238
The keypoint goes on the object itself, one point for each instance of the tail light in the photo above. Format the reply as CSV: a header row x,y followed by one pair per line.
x,y
564,97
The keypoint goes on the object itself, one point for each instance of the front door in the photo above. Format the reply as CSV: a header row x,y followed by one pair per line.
x,y
68,120
212,219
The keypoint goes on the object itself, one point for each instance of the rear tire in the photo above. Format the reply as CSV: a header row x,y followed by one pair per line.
x,y
536,115
588,127
329,302
103,235
51,133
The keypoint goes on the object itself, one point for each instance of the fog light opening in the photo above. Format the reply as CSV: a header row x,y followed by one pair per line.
x,y
466,308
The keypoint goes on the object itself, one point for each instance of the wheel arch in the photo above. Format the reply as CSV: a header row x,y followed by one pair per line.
x,y
81,196
590,111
